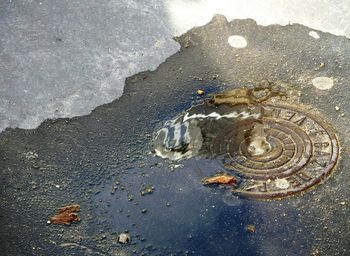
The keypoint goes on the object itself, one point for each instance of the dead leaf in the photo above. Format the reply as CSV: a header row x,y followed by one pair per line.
x,y
222,178
70,208
66,215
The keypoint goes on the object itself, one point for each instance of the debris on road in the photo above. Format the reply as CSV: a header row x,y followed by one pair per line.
x,y
200,92
251,228
124,238
147,190
66,215
221,178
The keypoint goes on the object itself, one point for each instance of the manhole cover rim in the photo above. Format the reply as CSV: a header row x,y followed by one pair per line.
x,y
328,170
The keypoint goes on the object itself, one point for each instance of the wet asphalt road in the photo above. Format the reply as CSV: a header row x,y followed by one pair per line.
x,y
80,160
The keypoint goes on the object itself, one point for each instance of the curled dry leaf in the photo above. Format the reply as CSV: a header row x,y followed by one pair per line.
x,y
66,215
222,178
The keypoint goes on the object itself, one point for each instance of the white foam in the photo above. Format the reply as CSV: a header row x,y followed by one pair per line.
x,y
217,116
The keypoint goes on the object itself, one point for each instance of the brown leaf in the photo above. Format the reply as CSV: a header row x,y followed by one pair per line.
x,y
70,208
66,215
222,178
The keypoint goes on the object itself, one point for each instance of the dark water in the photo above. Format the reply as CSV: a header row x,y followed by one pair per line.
x,y
186,217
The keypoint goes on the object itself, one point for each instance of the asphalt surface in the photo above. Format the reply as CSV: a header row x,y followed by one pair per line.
x,y
102,160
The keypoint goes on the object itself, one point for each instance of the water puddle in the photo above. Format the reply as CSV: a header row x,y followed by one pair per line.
x,y
193,196
183,217
268,142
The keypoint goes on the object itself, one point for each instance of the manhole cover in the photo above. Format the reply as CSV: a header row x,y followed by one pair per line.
x,y
303,151
273,149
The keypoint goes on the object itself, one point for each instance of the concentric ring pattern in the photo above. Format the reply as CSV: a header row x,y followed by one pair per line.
x,y
304,151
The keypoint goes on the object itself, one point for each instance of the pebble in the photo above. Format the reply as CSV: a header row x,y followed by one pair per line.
x,y
251,228
200,92
124,238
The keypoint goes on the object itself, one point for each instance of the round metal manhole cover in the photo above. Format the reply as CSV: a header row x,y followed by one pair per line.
x,y
267,149
303,151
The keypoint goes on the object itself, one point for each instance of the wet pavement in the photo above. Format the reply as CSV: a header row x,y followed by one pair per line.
x,y
103,162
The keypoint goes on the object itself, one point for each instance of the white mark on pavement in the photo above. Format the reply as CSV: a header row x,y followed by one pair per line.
x,y
314,34
237,41
323,83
